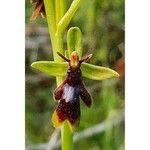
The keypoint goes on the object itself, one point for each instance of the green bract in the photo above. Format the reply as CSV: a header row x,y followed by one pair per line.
x,y
90,71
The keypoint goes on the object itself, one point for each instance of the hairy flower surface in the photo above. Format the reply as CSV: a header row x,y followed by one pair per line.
x,y
69,93
39,9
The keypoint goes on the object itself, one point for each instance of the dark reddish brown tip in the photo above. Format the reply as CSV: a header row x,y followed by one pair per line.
x,y
67,111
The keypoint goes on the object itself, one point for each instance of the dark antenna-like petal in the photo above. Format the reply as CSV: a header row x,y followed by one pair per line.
x,y
86,58
63,57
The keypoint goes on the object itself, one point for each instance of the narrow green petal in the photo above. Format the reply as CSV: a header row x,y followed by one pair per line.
x,y
51,68
97,72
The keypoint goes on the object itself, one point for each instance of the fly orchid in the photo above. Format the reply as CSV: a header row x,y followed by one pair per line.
x,y
72,88
69,92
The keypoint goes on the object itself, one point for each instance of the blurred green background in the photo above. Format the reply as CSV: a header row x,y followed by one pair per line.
x,y
102,25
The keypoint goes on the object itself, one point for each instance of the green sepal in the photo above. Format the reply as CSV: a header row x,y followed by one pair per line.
x,y
51,68
97,72
74,41
90,71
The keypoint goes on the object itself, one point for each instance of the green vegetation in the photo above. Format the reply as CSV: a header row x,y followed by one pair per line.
x,y
103,36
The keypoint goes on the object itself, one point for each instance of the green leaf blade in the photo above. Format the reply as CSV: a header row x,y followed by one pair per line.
x,y
97,72
51,68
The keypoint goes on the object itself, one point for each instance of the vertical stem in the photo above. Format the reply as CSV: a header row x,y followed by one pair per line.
x,y
59,7
50,13
55,12
57,41
66,137
58,47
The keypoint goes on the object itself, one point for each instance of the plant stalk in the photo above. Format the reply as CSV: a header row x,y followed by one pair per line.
x,y
54,12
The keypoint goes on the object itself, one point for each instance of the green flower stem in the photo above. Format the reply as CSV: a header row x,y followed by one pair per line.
x,y
50,13
57,41
54,12
59,7
58,46
66,137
